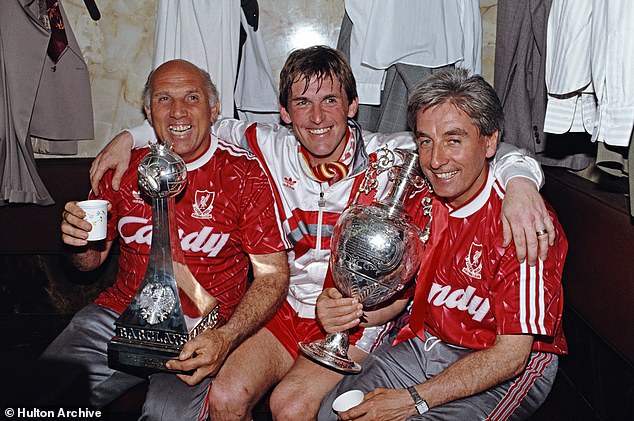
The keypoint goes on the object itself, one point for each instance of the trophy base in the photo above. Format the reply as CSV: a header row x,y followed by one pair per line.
x,y
318,352
143,358
145,350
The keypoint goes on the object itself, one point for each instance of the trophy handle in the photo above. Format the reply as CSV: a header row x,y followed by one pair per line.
x,y
409,160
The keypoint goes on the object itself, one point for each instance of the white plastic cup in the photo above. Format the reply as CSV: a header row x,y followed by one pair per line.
x,y
347,400
97,215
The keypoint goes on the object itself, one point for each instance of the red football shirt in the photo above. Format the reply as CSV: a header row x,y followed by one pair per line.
x,y
226,210
475,289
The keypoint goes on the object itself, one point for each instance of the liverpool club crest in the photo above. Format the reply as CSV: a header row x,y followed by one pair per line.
x,y
203,204
473,261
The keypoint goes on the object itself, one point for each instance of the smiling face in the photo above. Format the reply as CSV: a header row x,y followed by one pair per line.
x,y
179,108
319,116
453,154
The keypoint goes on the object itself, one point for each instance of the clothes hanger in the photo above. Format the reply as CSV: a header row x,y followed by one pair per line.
x,y
93,10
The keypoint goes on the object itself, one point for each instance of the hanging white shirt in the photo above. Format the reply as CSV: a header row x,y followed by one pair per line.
x,y
428,33
613,70
590,69
571,105
255,94
204,32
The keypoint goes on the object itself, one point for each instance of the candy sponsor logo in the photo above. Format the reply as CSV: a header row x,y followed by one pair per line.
x,y
205,240
462,299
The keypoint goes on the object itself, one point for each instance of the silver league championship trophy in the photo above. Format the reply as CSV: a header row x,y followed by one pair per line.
x,y
375,251
152,329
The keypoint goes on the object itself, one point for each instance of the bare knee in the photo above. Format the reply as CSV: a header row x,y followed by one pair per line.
x,y
246,376
292,403
230,400
299,394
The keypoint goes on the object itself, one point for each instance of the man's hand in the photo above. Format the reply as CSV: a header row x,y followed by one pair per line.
x,y
382,404
524,216
205,354
75,233
74,229
336,313
116,155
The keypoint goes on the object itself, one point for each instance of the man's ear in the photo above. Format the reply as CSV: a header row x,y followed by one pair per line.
x,y
148,115
214,112
285,115
492,143
353,108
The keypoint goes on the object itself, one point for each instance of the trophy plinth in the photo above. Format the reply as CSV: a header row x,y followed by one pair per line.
x,y
147,348
375,251
152,329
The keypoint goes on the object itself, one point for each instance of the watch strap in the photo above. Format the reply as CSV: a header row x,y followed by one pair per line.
x,y
419,403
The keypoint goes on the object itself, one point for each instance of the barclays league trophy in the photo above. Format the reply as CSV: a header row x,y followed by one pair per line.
x,y
152,329
375,251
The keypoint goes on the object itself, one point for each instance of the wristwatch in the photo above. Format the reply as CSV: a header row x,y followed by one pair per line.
x,y
419,403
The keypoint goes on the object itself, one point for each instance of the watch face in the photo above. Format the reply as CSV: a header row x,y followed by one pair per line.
x,y
419,403
422,407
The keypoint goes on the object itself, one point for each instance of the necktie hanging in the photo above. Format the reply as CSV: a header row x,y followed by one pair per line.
x,y
58,41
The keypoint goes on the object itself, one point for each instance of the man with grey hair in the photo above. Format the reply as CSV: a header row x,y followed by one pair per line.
x,y
484,332
218,249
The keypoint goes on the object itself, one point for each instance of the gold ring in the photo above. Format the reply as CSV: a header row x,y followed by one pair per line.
x,y
542,232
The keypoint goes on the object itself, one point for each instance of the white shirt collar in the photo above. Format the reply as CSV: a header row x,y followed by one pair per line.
x,y
205,157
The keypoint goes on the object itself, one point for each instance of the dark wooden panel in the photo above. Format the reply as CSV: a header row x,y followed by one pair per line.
x,y
28,228
599,271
